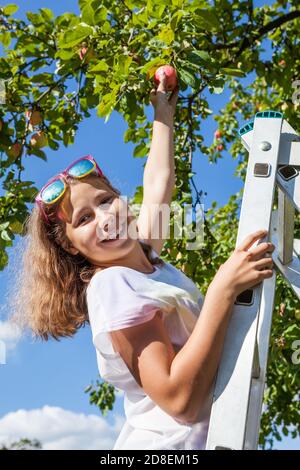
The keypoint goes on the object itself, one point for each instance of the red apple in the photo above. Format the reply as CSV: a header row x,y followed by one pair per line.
x,y
15,150
86,53
34,116
39,140
220,147
218,134
282,63
83,52
171,75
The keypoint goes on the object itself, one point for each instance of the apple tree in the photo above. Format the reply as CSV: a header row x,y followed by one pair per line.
x,y
57,69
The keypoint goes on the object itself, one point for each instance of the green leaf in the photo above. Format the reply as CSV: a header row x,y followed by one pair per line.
x,y
101,66
108,102
151,66
285,431
38,152
44,78
29,193
10,9
100,15
293,329
207,19
4,225
88,15
5,38
204,56
73,37
177,3
108,115
188,78
142,18
3,259
64,54
216,86
166,35
216,90
140,150
35,18
234,72
124,64
47,14
176,17
5,236
106,28
53,144
157,13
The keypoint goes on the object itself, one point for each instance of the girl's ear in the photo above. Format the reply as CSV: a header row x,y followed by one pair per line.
x,y
73,250
67,246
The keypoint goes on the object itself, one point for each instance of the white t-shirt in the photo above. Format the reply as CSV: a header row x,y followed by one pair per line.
x,y
119,297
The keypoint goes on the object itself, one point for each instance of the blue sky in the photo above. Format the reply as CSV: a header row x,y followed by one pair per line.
x,y
43,383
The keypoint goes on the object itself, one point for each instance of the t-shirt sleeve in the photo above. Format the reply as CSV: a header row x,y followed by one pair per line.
x,y
115,302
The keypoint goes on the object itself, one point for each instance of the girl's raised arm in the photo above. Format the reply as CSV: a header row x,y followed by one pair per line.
x,y
159,173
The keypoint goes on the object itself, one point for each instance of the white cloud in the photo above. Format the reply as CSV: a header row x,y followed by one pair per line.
x,y
10,334
57,428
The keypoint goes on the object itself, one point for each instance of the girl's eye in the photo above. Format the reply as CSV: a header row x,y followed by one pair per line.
x,y
106,200
102,202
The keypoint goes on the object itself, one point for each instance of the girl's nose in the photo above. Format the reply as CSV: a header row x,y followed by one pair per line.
x,y
106,225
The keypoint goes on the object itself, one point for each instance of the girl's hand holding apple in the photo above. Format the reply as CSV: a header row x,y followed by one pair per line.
x,y
165,106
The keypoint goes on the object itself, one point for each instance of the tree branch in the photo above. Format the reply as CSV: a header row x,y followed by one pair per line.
x,y
260,32
55,84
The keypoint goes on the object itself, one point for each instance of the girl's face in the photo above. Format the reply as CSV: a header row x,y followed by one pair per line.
x,y
91,211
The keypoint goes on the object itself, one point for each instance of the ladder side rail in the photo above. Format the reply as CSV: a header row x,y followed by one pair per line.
x,y
233,381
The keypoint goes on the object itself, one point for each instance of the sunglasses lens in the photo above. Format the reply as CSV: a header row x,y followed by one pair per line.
x,y
56,188
81,168
52,191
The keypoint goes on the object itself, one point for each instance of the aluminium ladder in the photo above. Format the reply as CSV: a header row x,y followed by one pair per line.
x,y
238,389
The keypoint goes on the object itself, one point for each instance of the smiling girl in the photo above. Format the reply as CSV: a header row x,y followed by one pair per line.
x,y
88,260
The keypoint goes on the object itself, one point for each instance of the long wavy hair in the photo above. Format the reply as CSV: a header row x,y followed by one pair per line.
x,y
49,292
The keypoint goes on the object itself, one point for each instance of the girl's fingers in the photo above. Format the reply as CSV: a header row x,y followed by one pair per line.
x,y
162,87
174,96
152,93
248,242
260,249
159,94
264,263
153,96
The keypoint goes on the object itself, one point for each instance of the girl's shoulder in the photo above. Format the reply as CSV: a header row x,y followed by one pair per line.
x,y
117,279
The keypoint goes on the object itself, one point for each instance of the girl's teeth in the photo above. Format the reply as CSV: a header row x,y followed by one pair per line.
x,y
114,236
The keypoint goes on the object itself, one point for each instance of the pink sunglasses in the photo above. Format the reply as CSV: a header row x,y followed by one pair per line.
x,y
56,187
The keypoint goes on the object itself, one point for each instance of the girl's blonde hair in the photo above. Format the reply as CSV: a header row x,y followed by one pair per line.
x,y
51,284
